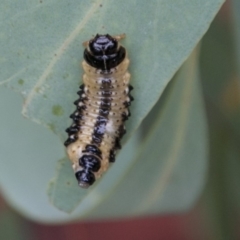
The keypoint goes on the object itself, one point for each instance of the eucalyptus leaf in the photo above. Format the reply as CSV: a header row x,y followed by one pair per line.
x,y
40,53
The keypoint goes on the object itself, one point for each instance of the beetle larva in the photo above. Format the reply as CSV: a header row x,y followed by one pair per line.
x,y
102,107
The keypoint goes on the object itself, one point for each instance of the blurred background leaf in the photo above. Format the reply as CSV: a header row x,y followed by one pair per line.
x,y
236,31
12,227
220,80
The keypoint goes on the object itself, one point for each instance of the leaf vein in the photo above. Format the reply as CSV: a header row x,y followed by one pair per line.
x,y
57,55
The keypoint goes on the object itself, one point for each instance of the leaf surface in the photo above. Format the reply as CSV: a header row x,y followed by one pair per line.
x,y
40,53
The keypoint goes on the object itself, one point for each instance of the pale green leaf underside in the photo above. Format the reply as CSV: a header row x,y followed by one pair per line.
x,y
40,53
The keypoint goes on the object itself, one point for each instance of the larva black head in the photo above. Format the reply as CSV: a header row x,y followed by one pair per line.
x,y
104,52
85,178
103,44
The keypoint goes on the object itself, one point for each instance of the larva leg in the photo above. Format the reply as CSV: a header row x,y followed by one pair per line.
x,y
85,43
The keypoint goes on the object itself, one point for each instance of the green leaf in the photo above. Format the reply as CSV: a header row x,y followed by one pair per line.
x,y
236,24
221,197
219,73
40,53
41,49
13,227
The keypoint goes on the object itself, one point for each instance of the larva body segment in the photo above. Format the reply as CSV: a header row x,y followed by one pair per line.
x,y
102,108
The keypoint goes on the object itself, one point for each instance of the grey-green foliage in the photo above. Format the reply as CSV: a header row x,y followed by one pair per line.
x,y
220,81
12,227
40,55
236,24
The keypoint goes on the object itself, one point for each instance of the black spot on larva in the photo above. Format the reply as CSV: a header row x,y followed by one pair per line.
x,y
127,103
80,100
77,101
106,83
105,104
99,130
96,139
81,108
76,116
90,162
80,92
93,149
124,116
112,156
104,52
117,144
131,97
121,131
82,86
85,178
106,93
72,130
71,139
100,125
67,142
130,87
129,113
103,112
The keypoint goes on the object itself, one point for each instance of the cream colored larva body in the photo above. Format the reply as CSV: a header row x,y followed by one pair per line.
x,y
98,122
